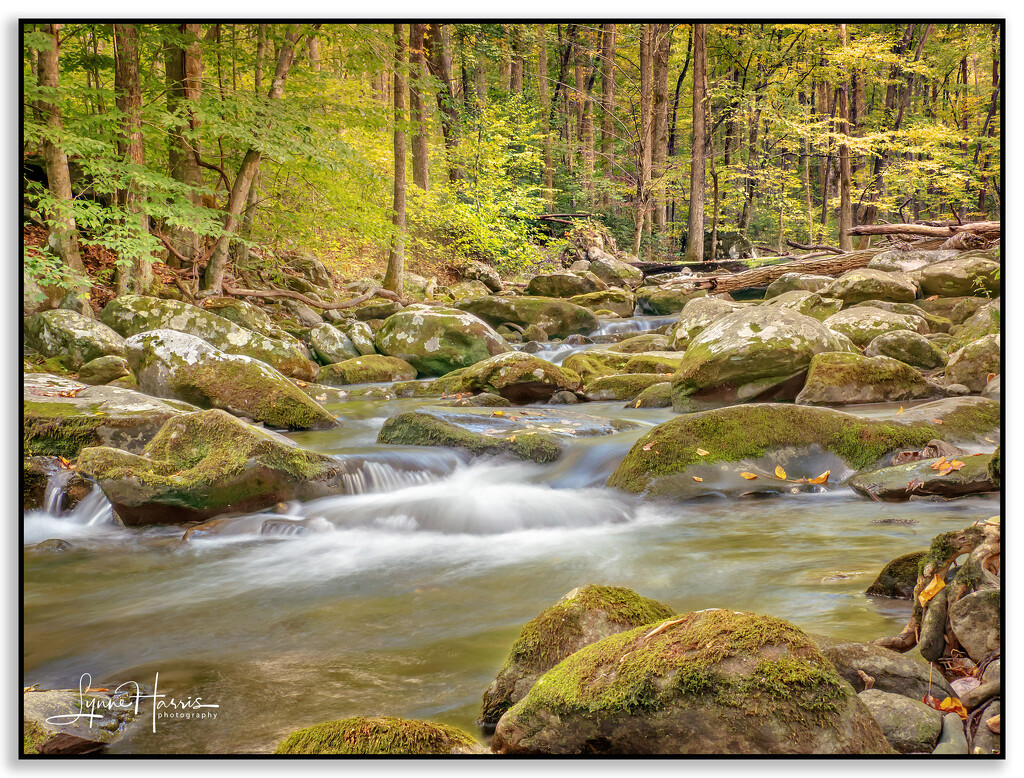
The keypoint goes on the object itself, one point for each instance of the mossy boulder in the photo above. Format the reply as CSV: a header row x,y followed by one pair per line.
x,y
756,353
808,303
132,314
693,685
103,370
583,616
695,317
361,335
436,341
789,282
485,274
640,343
249,316
654,396
959,277
60,417
911,348
976,622
898,578
54,724
803,440
956,309
564,284
863,324
621,387
918,479
843,379
862,284
986,320
594,363
71,338
331,345
468,290
665,300
518,377
909,261
972,364
615,272
935,322
379,736
910,726
558,318
375,309
368,369
661,362
617,301
995,466
206,463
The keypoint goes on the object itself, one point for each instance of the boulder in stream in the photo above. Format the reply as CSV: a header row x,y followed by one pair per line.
x,y
862,324
808,303
615,272
621,387
971,275
918,479
103,370
70,337
665,300
436,341
898,578
368,369
695,317
379,736
518,377
910,726
331,345
908,347
789,282
615,300
843,379
855,286
558,318
974,363
564,284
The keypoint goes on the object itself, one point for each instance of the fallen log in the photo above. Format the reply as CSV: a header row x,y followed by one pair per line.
x,y
374,292
812,247
981,228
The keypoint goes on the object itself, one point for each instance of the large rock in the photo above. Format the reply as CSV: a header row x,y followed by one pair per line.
x,y
438,340
361,335
615,272
863,324
368,369
103,370
468,290
331,345
757,353
904,674
518,377
844,379
976,622
379,736
207,463
693,685
956,309
789,282
558,318
914,479
974,363
910,726
583,616
54,721
594,363
248,316
72,338
855,286
564,284
621,387
808,303
935,322
616,301
662,362
908,261
60,417
641,343
908,347
958,277
485,274
695,317
665,300
986,320
174,365
803,440
131,314
898,578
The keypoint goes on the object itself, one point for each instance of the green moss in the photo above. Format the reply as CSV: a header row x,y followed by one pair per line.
x,y
898,577
654,363
654,396
37,363
839,369
995,466
944,548
595,363
640,343
34,737
621,387
378,736
366,369
58,429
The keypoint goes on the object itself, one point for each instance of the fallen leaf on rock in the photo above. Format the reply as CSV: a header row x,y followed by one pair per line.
x,y
301,383
899,411
497,413
913,484
938,463
702,452
936,421
821,478
956,464
933,297
749,476
949,705
321,398
932,702
935,586
990,377
649,446
697,478
637,404
780,473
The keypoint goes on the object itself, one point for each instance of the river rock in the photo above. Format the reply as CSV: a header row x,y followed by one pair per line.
x,y
37,473
803,440
133,314
898,578
910,726
931,642
564,284
959,277
952,740
757,353
864,324
984,321
692,686
103,370
976,623
908,261
54,723
61,416
843,379
368,369
789,282
617,301
855,286
621,387
439,340
935,322
808,303
520,378
665,300
361,336
583,616
915,479
695,317
558,318
331,345
896,673
72,338
908,347
615,272
379,736
993,389
974,363
485,274
207,463
956,309
657,395
594,363
250,317
640,343
468,290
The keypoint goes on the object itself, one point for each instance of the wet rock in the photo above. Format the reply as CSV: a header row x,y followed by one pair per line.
x,y
207,463
53,721
368,369
174,365
615,300
662,362
558,318
898,578
483,400
583,616
692,686
910,726
697,315
563,398
615,272
908,347
61,416
915,479
808,303
439,340
959,277
379,736
564,284
621,387
908,261
976,623
993,389
52,546
931,643
840,379
665,300
789,282
896,673
952,739
654,396
103,370
640,343
131,314
518,377
70,337
594,363
864,324
972,364
331,345
862,284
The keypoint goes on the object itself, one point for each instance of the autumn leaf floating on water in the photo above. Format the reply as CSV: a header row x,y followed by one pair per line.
x,y
697,478
935,586
749,476
821,478
780,473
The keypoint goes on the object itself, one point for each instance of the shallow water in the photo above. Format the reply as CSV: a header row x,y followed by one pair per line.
x,y
404,599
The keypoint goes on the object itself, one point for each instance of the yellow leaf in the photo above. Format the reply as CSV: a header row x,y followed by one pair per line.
x,y
749,476
933,588
938,464
949,705
702,452
821,478
697,478
637,404
899,411
936,421
497,413
780,473
512,439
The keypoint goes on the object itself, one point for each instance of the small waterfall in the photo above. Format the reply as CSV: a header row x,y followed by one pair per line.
x,y
382,477
292,527
93,512
634,326
54,494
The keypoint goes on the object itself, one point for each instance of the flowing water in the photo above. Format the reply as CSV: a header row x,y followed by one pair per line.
x,y
404,597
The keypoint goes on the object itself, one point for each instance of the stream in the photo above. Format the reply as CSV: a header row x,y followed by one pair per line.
x,y
404,597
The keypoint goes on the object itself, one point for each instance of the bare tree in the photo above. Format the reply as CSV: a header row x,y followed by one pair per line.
x,y
396,257
845,205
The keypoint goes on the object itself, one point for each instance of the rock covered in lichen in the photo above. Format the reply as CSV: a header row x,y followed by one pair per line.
x,y
862,324
908,261
615,272
362,370
842,379
789,282
70,337
986,320
665,300
908,347
436,341
621,387
558,318
583,616
617,301
331,345
862,284
695,317
103,370
516,376
920,479
693,685
972,275
972,364
379,736
564,284
808,303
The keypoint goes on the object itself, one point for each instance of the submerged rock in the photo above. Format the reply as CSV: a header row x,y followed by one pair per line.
x,y
583,616
379,736
916,479
70,337
843,379
898,578
693,685
438,340
558,318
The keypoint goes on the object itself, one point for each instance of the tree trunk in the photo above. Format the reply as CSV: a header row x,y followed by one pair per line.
x,y
845,204
417,70
505,65
439,61
249,214
643,178
659,152
545,110
607,104
516,78
396,257
695,222
213,276
63,231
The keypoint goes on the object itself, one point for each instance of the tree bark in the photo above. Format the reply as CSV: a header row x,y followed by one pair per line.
x,y
545,109
845,204
417,69
396,257
695,221
607,104
439,61
63,232
659,152
643,182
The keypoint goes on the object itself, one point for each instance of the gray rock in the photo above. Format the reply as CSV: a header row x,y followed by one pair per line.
x,y
558,318
908,347
896,673
863,284
579,266
985,740
615,272
305,315
103,370
437,341
71,337
695,317
789,282
959,277
331,345
976,623
952,739
564,285
908,261
864,324
894,483
972,365
981,694
841,379
910,726
932,642
993,389
485,274
808,303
